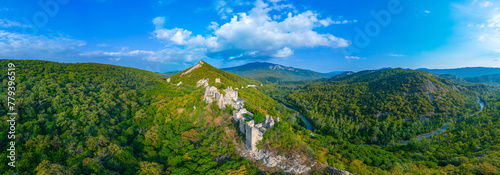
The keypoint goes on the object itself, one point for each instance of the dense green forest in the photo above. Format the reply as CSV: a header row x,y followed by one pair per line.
x,y
102,119
88,118
380,107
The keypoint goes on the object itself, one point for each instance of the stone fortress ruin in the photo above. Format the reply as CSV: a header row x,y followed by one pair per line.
x,y
253,131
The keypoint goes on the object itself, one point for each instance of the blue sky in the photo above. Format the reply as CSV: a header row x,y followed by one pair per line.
x,y
324,36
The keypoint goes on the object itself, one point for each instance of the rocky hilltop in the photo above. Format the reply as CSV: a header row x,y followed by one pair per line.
x,y
202,74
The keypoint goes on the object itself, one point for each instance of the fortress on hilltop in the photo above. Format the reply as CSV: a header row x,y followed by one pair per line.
x,y
253,131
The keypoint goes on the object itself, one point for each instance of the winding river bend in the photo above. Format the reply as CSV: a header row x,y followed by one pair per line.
x,y
308,124
419,137
442,129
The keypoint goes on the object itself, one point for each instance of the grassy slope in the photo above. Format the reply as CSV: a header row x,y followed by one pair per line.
x,y
208,71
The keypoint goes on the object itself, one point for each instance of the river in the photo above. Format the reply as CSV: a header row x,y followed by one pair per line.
x,y
442,129
308,124
481,103
419,137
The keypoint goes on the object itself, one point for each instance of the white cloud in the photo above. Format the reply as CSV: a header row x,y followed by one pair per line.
x,y
159,22
225,8
494,21
123,52
285,52
253,34
170,55
474,41
5,23
17,45
353,57
213,26
486,4
396,55
176,35
427,11
115,59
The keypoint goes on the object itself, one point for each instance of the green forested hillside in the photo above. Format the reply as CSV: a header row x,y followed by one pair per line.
x,y
492,79
382,106
205,70
91,118
101,119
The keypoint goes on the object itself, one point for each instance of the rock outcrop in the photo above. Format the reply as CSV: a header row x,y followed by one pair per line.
x,y
202,82
335,171
199,64
254,132
271,160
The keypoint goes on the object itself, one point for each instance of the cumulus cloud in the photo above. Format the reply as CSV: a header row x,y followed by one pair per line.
x,y
249,35
123,52
17,45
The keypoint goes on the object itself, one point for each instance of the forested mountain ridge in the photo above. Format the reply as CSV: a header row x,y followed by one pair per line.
x,y
465,71
492,79
202,70
271,73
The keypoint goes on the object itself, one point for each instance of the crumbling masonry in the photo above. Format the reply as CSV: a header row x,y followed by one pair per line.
x,y
253,131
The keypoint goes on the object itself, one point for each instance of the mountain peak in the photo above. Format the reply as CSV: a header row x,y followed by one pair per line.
x,y
203,71
198,65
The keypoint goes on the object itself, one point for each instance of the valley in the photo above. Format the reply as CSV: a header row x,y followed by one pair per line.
x,y
308,124
442,129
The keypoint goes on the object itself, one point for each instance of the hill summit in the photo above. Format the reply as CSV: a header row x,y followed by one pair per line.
x,y
203,74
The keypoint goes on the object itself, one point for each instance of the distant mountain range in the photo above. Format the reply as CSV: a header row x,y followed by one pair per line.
x,y
271,73
464,72
493,79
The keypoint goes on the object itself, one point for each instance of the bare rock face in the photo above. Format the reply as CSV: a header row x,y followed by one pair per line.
x,y
180,83
168,80
217,80
202,82
335,171
270,160
199,64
